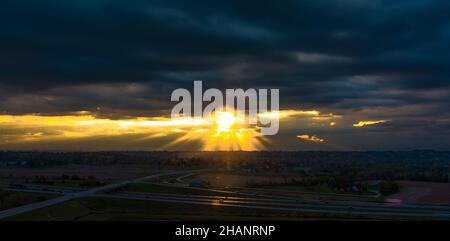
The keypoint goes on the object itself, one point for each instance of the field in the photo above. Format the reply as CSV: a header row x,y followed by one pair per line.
x,y
97,209
152,188
423,192
115,172
14,199
149,189
275,184
220,180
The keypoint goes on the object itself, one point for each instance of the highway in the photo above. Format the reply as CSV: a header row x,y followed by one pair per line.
x,y
81,194
233,199
442,212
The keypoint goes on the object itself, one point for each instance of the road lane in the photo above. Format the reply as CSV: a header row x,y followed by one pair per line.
x,y
213,200
70,196
256,201
442,215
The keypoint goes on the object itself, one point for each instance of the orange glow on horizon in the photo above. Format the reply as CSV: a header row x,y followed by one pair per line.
x,y
221,133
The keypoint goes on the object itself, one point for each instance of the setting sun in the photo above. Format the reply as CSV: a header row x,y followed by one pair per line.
x,y
228,134
225,132
224,122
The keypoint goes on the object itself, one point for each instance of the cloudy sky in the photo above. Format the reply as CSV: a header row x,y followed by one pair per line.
x,y
97,75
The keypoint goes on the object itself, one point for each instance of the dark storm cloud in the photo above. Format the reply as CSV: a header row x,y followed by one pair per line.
x,y
126,57
104,41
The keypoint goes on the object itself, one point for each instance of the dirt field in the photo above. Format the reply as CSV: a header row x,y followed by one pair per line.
x,y
220,180
99,172
423,192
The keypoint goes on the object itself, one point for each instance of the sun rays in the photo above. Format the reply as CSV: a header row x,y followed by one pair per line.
x,y
225,132
221,132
